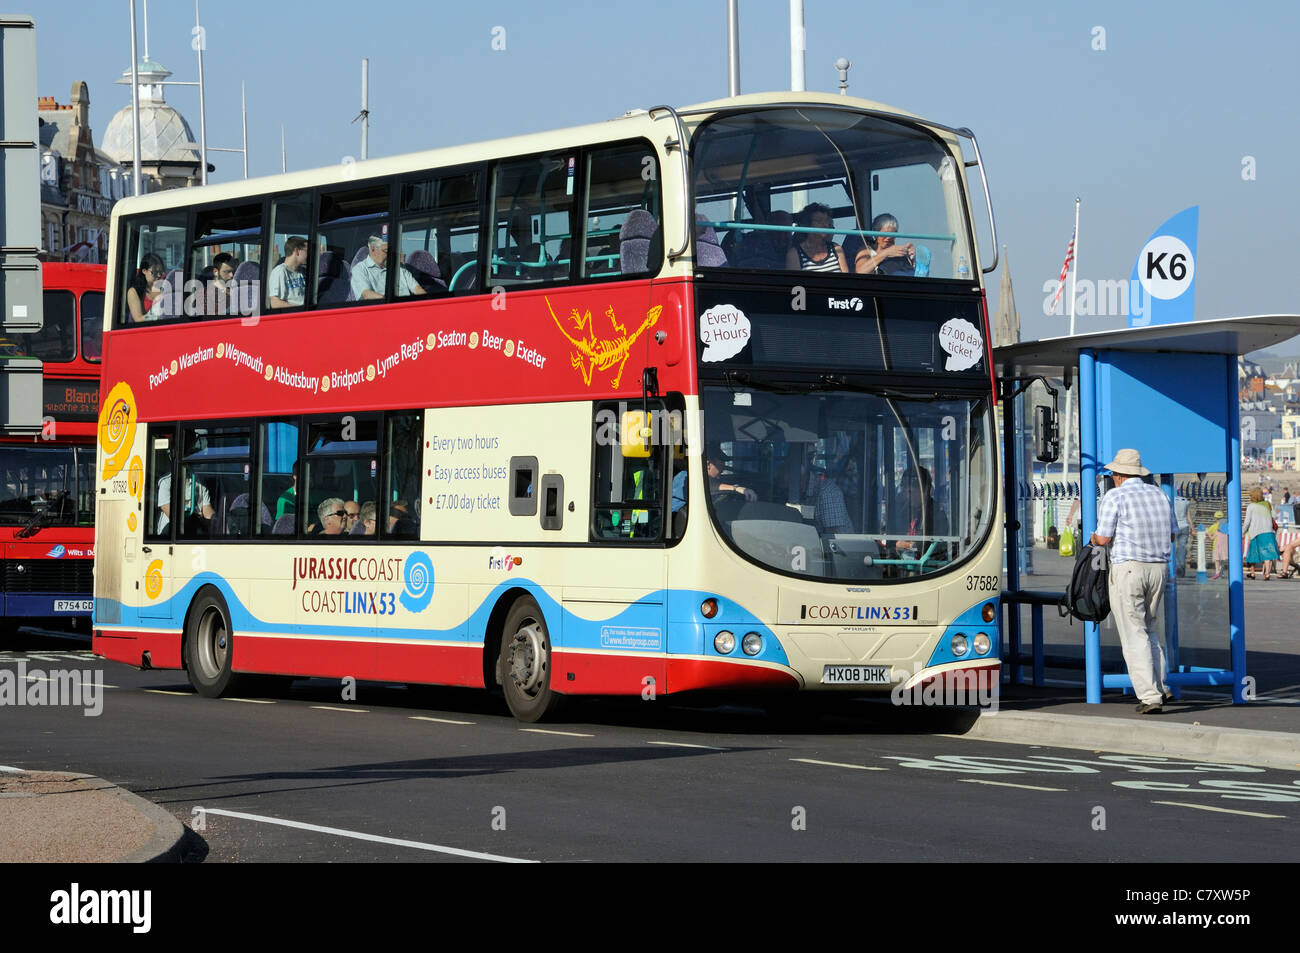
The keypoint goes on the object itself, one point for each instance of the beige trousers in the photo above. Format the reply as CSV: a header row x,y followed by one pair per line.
x,y
1137,600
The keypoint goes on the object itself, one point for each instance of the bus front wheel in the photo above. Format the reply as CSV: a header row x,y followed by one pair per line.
x,y
525,662
208,646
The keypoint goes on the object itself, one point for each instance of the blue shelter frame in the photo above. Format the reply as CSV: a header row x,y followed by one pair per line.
x,y
1172,392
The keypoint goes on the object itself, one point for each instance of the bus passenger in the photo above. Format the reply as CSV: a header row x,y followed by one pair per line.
x,y
830,509
368,518
353,510
331,515
289,278
880,255
218,292
143,294
814,251
371,274
288,501
197,502
400,522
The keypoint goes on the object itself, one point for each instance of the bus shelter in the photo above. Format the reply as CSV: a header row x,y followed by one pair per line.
x,y
1171,391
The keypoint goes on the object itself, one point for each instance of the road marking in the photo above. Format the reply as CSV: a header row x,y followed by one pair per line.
x,y
362,711
1218,810
42,678
547,731
682,744
441,721
1008,784
8,770
44,658
838,764
163,691
358,835
251,701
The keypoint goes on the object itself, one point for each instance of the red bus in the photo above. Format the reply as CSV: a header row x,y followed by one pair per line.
x,y
47,504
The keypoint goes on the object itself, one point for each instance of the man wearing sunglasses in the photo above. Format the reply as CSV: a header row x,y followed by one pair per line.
x,y
332,516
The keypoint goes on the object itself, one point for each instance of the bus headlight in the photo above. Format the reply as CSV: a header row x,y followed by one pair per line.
x,y
724,642
752,643
982,644
959,645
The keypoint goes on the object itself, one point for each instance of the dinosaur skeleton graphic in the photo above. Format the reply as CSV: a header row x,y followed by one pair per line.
x,y
592,353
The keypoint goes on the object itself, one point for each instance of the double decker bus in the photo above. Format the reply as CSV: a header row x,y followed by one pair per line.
x,y
569,413
47,510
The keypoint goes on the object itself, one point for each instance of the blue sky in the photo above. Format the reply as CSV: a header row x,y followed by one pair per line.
x,y
1162,118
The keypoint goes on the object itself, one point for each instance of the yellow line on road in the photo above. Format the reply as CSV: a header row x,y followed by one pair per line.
x,y
1008,784
1219,810
838,764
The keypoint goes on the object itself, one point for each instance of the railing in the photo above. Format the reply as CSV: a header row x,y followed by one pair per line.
x,y
1015,656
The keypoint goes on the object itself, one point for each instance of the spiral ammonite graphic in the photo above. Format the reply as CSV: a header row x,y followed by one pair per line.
x,y
153,581
418,576
117,428
135,477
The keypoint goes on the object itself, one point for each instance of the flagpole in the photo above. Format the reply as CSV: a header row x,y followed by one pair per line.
x,y
1069,394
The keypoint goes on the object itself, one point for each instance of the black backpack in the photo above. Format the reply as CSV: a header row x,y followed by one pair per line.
x,y
1088,597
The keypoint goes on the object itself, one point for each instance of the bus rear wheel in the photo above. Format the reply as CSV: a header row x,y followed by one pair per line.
x,y
208,645
525,662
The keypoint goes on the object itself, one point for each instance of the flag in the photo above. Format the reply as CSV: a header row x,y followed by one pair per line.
x,y
1065,270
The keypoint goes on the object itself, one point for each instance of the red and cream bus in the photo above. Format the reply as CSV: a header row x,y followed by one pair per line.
x,y
47,510
563,412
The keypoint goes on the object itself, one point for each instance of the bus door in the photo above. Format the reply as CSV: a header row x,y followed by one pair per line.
x,y
618,613
153,572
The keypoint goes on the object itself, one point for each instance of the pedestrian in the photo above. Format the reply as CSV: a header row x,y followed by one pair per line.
x,y
1220,533
1181,505
1258,531
1138,519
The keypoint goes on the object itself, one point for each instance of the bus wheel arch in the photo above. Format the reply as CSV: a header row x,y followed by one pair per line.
x,y
492,635
525,661
207,647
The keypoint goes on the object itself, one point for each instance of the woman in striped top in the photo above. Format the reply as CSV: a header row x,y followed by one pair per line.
x,y
814,251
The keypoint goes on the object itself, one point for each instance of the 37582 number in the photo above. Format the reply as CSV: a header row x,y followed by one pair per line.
x,y
983,583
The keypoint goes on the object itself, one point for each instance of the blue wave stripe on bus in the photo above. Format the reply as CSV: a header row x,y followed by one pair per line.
x,y
968,624
638,628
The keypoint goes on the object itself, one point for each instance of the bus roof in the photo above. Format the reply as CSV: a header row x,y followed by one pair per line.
x,y
632,124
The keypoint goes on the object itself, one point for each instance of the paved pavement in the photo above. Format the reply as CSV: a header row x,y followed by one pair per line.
x,y
48,816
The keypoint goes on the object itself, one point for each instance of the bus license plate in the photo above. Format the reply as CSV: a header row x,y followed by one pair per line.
x,y
855,675
74,605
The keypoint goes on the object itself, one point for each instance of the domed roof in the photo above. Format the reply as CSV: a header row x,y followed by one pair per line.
x,y
146,67
165,136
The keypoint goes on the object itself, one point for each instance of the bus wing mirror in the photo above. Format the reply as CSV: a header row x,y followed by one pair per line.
x,y
636,434
1047,437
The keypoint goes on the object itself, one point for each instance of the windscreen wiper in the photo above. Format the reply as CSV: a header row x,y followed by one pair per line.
x,y
33,525
742,379
841,382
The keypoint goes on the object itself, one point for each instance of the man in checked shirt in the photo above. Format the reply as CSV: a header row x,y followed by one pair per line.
x,y
1138,519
